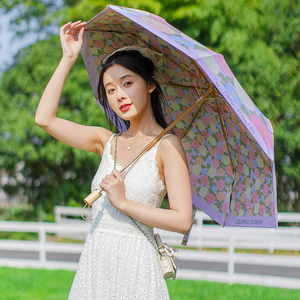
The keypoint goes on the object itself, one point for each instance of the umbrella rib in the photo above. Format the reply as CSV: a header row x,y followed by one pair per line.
x,y
263,156
231,162
142,41
192,75
225,134
155,140
183,85
195,116
218,98
201,73
195,86
215,105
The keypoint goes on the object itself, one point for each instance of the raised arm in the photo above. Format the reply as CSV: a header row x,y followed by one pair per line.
x,y
78,136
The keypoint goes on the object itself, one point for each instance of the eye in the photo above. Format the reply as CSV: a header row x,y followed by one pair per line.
x,y
128,83
110,91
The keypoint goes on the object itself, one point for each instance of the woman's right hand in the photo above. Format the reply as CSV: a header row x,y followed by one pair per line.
x,y
70,46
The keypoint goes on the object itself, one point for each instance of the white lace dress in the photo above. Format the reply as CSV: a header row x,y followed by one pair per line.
x,y
117,261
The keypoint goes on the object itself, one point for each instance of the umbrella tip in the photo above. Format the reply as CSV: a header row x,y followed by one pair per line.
x,y
225,217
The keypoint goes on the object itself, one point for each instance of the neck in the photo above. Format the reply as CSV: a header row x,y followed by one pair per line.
x,y
142,126
134,131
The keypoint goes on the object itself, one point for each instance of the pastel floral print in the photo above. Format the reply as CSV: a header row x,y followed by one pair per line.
x,y
228,142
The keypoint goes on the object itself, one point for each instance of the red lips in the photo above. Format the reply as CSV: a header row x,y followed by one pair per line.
x,y
125,107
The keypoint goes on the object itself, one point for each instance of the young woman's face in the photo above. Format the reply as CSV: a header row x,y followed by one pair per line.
x,y
127,93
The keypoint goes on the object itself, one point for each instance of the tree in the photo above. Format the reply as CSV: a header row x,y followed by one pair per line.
x,y
259,39
279,93
43,170
29,16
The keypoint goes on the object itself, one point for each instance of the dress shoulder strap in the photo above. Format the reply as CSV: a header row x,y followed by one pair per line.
x,y
108,143
155,147
162,139
111,137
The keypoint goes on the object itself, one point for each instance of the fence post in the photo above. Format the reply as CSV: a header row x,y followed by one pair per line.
x,y
199,225
57,215
271,246
231,259
42,241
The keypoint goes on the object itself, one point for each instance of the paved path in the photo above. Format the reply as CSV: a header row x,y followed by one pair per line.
x,y
290,272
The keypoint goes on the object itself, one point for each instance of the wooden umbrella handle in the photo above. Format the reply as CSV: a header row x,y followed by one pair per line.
x,y
91,198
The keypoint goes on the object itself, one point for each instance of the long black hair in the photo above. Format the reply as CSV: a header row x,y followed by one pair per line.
x,y
134,61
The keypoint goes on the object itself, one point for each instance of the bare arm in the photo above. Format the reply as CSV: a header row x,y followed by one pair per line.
x,y
78,136
179,217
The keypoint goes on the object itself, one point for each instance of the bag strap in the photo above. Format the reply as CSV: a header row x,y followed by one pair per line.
x,y
145,234
163,248
137,225
115,154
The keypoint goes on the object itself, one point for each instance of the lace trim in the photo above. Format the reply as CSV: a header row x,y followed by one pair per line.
x,y
119,167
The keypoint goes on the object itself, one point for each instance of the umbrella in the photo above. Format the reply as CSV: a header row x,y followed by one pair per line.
x,y
228,142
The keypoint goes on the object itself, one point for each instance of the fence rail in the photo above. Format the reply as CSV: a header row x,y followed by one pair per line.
x,y
229,265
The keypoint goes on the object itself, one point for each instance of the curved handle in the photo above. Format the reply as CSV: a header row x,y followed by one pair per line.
x,y
92,197
89,200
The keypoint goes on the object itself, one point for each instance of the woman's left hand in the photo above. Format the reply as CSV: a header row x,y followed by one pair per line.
x,y
113,185
71,45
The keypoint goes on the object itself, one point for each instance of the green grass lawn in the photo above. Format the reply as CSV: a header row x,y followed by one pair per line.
x,y
36,284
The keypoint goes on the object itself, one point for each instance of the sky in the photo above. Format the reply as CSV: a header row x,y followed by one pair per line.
x,y
5,55
9,46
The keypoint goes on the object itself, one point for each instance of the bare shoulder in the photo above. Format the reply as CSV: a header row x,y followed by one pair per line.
x,y
171,142
103,135
169,148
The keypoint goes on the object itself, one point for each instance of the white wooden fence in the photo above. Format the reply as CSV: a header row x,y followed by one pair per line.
x,y
203,236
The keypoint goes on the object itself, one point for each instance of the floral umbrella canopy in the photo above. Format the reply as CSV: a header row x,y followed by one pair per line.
x,y
228,141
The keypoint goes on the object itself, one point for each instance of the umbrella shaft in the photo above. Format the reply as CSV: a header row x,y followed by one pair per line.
x,y
91,198
155,140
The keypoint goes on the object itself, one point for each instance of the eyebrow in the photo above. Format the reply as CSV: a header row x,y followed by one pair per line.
x,y
124,76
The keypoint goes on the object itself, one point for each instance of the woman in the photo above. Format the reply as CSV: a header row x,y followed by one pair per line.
x,y
117,261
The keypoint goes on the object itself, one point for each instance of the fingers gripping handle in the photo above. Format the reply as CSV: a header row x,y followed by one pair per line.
x,y
97,193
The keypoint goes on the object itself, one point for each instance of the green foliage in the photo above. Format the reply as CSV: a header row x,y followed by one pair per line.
x,y
55,284
31,15
194,290
270,72
21,212
42,170
33,284
24,236
87,9
260,40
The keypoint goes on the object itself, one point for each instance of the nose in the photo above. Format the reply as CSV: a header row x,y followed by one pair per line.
x,y
120,94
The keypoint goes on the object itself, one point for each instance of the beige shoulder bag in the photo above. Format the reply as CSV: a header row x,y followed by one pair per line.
x,y
165,253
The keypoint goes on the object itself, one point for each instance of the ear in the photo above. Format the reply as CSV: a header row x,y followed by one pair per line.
x,y
151,87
